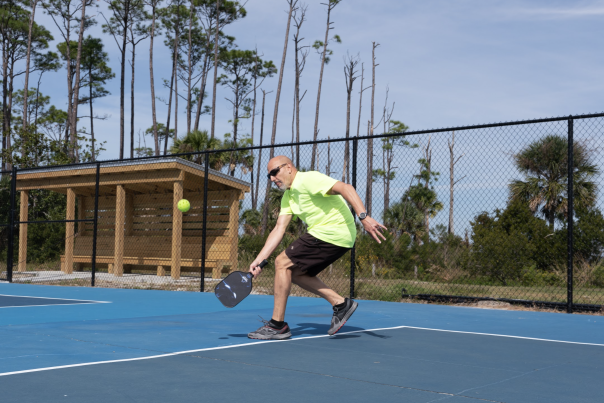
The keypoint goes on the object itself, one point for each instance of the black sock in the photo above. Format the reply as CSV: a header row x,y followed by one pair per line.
x,y
340,306
276,324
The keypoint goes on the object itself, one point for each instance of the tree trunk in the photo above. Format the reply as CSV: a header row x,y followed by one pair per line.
x,y
451,229
233,162
153,110
213,125
175,104
176,39
297,111
202,90
328,167
5,110
292,3
316,129
293,158
427,184
345,178
132,103
11,77
299,65
123,77
91,114
33,4
369,191
349,75
169,110
253,124
190,71
260,151
361,97
70,151
76,85
386,164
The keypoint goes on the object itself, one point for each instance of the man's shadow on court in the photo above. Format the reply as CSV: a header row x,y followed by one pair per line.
x,y
316,329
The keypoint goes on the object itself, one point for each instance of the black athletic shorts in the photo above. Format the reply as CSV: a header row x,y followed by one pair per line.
x,y
313,255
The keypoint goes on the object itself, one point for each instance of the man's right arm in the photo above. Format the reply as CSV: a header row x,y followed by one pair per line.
x,y
273,240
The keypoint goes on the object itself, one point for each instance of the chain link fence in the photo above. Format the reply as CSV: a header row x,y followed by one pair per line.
x,y
476,212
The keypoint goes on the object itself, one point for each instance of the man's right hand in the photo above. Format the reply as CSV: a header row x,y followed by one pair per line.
x,y
255,268
374,229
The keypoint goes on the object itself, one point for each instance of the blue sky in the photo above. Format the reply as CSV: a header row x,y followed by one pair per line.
x,y
447,63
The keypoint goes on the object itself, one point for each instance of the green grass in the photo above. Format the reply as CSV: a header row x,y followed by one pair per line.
x,y
367,286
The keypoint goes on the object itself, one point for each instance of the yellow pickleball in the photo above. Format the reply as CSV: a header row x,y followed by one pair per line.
x,y
184,205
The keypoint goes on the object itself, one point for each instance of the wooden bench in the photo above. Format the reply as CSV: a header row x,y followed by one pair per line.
x,y
146,234
155,251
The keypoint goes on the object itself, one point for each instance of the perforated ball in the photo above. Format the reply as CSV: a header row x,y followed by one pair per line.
x,y
184,205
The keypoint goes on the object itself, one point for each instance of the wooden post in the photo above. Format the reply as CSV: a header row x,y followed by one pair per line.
x,y
161,271
70,232
120,211
129,226
81,226
176,231
23,231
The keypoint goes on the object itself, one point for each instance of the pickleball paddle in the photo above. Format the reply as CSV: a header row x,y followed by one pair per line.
x,y
235,287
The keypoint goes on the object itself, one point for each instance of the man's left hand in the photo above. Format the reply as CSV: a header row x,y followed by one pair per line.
x,y
374,228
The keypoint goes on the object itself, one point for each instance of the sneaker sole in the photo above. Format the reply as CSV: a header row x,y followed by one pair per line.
x,y
275,337
346,317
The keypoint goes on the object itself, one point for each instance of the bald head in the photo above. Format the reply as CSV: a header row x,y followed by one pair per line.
x,y
281,171
279,160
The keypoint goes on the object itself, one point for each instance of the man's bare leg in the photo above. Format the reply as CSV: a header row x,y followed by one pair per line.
x,y
285,273
316,286
283,285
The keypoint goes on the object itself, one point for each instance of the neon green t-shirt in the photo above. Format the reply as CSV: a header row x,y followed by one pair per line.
x,y
327,216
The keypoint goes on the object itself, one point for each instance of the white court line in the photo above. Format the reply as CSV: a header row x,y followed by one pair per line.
x,y
83,301
282,341
29,306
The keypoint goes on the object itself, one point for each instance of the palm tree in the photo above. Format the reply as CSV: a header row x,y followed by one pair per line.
x,y
404,217
544,164
198,141
425,200
242,157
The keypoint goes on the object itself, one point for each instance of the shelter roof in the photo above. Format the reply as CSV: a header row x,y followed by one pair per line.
x,y
143,176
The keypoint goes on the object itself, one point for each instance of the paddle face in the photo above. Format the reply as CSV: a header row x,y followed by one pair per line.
x,y
235,287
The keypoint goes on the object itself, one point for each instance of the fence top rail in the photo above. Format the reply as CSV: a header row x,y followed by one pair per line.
x,y
162,158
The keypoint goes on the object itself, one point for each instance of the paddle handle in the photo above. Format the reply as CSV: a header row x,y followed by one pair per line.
x,y
261,265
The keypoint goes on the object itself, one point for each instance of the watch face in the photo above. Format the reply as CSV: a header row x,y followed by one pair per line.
x,y
362,216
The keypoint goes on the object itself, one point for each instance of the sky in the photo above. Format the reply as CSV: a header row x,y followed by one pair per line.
x,y
445,63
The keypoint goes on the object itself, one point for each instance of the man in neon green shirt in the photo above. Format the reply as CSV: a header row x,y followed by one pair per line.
x,y
320,201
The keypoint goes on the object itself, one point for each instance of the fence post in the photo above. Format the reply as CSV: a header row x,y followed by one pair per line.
x,y
11,228
95,224
354,184
206,166
569,237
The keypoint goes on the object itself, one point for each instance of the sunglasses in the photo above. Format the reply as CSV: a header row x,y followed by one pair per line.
x,y
275,171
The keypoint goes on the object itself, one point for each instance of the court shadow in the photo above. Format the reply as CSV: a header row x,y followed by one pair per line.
x,y
344,336
312,329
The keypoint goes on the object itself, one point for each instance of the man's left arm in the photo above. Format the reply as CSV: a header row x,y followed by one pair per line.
x,y
349,194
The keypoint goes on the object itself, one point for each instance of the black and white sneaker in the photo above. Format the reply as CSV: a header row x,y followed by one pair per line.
x,y
341,315
267,332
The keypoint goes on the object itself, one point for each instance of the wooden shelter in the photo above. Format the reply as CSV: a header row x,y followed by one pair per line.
x,y
139,223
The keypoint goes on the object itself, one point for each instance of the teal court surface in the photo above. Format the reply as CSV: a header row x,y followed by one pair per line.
x,y
67,344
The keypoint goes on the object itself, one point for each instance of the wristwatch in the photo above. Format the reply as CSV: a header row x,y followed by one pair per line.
x,y
362,216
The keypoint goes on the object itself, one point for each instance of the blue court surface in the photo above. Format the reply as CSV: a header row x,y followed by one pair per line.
x,y
109,345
